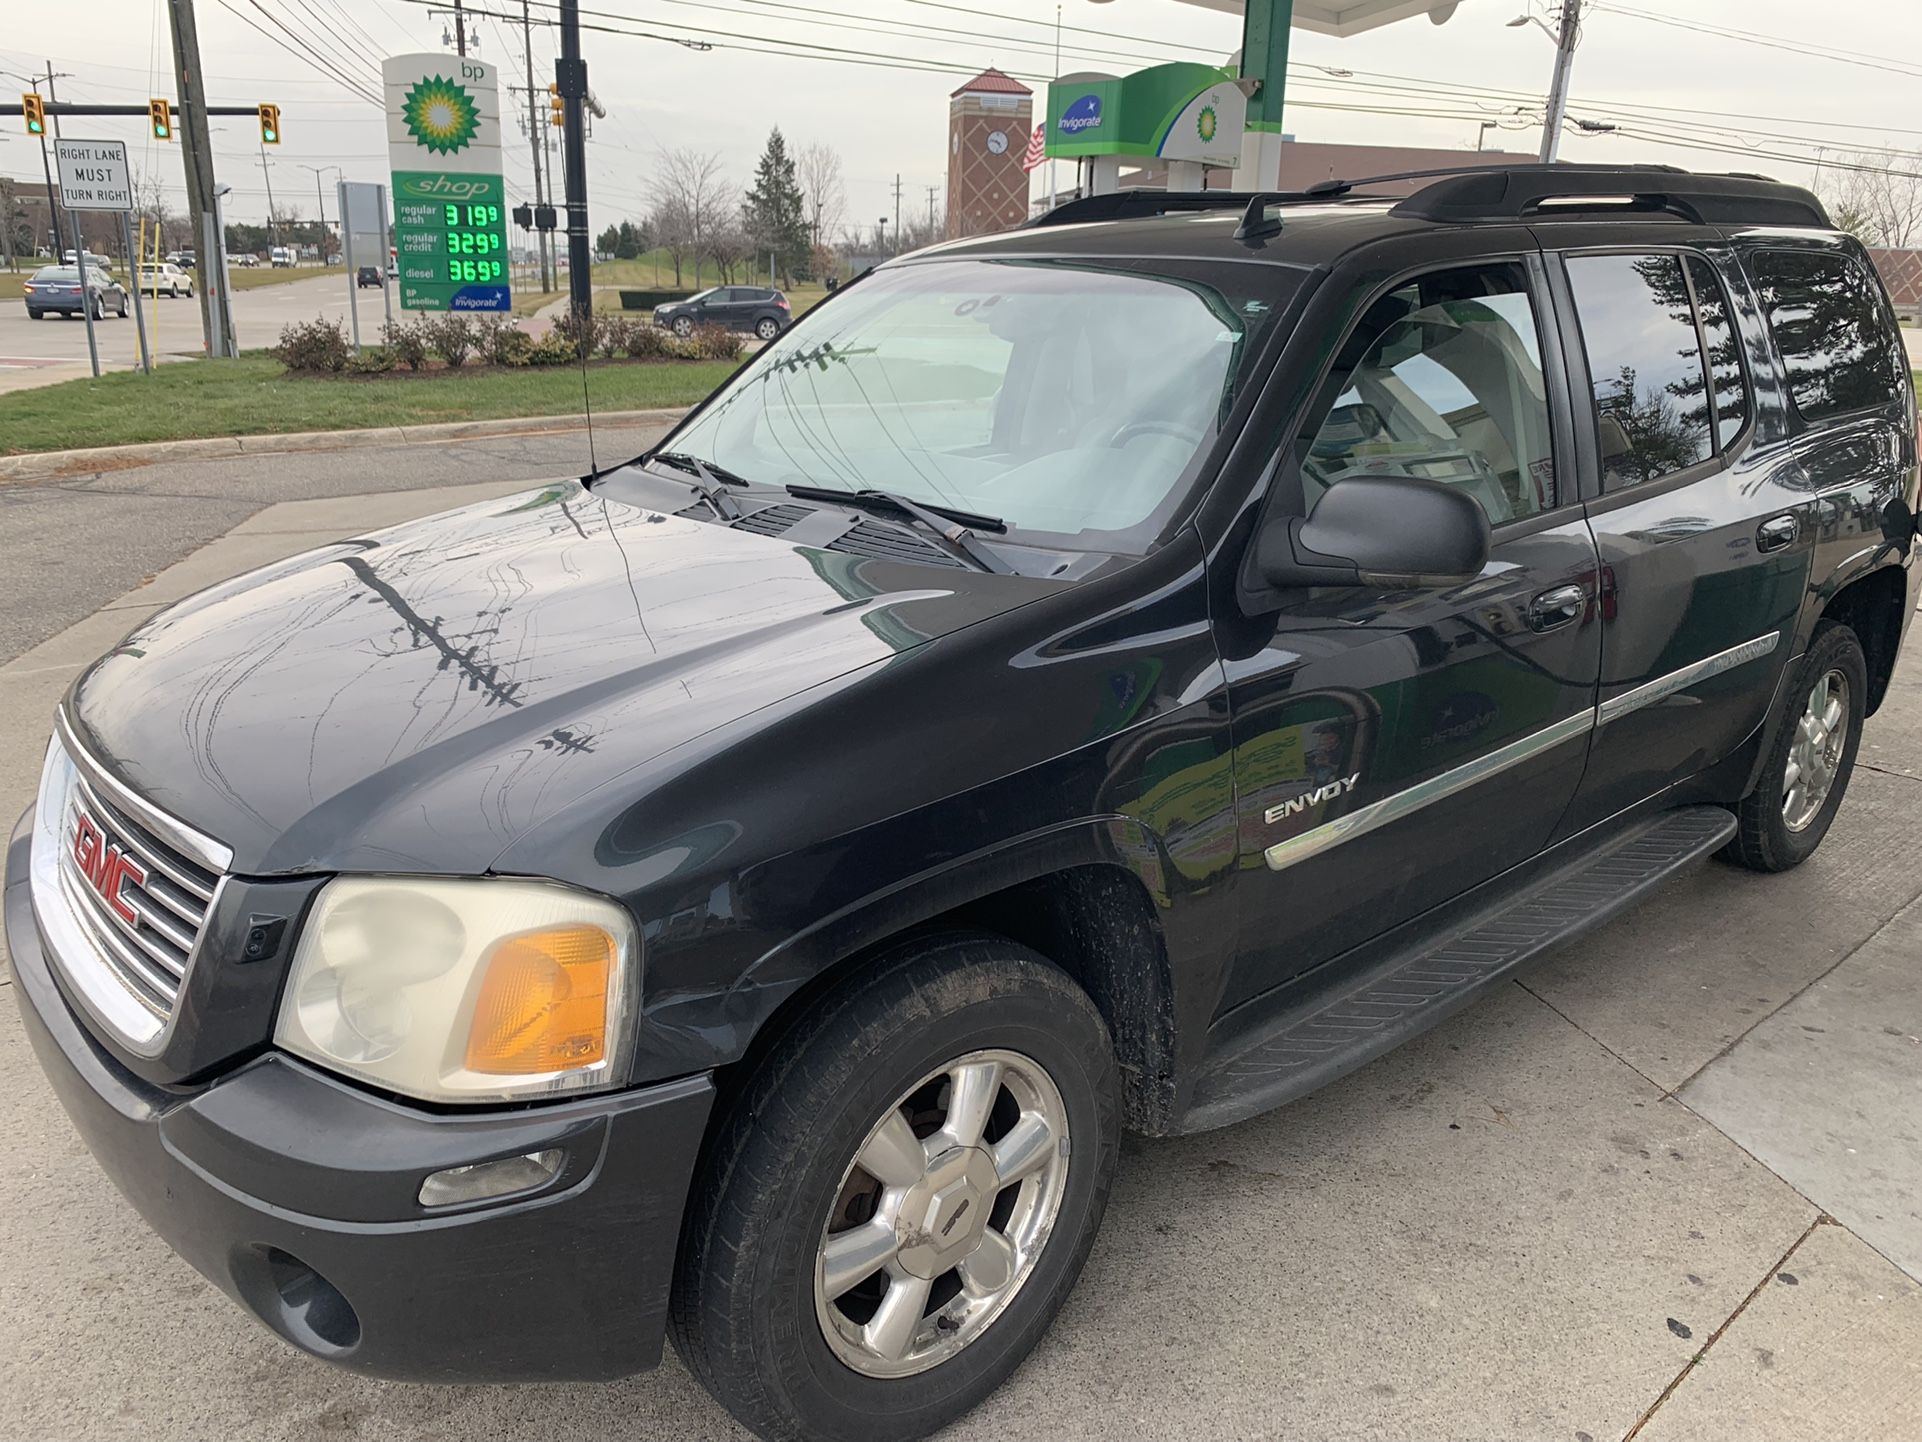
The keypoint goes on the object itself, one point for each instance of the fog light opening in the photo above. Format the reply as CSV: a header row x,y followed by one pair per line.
x,y
489,1181
311,1311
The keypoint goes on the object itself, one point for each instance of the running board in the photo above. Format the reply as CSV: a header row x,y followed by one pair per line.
x,y
1410,992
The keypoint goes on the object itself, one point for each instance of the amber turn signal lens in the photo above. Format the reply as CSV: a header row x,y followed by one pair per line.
x,y
543,1002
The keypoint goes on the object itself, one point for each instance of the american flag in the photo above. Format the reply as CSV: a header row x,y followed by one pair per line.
x,y
1036,147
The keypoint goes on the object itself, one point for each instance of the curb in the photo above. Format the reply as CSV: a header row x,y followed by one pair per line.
x,y
53,465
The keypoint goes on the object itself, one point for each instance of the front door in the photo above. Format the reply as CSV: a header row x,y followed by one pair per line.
x,y
1396,747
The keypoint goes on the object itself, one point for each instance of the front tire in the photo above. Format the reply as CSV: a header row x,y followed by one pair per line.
x,y
683,327
1806,773
901,1198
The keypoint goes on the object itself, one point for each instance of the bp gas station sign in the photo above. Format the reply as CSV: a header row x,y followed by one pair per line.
x,y
1183,111
450,205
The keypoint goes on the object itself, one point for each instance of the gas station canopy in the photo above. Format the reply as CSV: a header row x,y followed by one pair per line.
x,y
1346,17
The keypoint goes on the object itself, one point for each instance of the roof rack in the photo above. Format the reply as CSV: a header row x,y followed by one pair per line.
x,y
1534,192
1489,192
1138,204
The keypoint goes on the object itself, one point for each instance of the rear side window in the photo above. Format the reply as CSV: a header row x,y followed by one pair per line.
x,y
1644,365
1728,389
1837,345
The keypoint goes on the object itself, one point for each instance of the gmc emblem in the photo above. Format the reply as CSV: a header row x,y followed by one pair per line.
x,y
107,868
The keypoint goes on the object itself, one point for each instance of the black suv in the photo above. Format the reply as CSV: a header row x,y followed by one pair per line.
x,y
1113,675
756,309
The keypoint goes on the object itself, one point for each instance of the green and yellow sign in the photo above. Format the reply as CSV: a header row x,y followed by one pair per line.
x,y
450,203
1181,111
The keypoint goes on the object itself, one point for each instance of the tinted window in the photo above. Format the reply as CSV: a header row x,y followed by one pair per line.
x,y
1644,363
1836,344
1442,379
1724,352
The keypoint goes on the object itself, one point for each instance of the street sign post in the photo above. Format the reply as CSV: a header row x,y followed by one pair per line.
x,y
363,241
94,175
450,204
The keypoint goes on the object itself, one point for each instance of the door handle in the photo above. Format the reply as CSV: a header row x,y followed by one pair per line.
x,y
1773,535
1557,608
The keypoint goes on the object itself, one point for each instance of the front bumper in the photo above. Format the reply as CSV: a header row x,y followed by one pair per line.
x,y
297,1195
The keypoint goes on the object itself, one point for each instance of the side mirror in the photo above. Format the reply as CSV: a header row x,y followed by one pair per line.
x,y
1378,531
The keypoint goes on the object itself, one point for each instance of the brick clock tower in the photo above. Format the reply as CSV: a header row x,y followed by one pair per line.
x,y
989,122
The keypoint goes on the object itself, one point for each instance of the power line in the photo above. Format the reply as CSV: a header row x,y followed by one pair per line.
x,y
1767,42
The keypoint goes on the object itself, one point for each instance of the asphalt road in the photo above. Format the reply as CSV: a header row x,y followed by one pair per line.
x,y
1669,1183
173,326
69,546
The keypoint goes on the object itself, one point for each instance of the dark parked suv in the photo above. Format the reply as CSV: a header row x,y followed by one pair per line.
x,y
756,309
1112,675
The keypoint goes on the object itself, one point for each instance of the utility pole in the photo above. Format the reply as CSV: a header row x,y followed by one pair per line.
x,y
931,190
197,151
570,74
1565,41
534,139
320,205
897,210
460,31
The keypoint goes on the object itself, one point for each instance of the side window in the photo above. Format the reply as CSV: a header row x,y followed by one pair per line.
x,y
1836,343
1644,364
1728,388
1442,379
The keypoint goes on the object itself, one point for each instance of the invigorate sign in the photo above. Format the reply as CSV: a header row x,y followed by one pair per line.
x,y
450,204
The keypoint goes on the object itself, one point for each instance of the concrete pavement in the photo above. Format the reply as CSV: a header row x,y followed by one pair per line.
x,y
1663,1187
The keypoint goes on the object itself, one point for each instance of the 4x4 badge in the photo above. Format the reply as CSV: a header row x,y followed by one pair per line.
x,y
1295,805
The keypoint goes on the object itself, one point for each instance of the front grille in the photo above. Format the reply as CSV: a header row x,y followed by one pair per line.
x,y
122,907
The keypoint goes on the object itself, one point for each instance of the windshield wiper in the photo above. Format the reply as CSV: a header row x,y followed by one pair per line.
x,y
707,482
955,527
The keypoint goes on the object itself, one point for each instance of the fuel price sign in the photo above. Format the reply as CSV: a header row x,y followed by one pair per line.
x,y
450,206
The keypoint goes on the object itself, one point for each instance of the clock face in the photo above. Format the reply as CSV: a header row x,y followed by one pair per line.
x,y
997,142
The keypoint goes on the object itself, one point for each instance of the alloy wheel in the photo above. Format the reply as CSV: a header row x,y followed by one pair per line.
x,y
1815,755
942,1214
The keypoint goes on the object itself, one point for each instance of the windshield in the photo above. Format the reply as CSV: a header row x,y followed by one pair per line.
x,y
1070,398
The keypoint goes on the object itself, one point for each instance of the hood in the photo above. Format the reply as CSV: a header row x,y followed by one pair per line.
x,y
414,699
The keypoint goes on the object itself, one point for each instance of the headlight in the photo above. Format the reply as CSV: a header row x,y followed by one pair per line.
x,y
474,990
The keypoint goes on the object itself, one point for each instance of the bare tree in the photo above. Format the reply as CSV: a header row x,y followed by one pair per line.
x,y
729,246
691,200
1877,196
818,168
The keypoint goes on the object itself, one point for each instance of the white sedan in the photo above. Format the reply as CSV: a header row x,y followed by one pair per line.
x,y
166,279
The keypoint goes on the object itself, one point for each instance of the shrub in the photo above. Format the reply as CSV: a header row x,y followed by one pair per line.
x,y
373,360
407,342
713,342
612,335
553,349
502,342
646,341
451,335
316,346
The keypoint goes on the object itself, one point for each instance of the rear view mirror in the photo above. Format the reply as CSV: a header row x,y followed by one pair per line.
x,y
1389,531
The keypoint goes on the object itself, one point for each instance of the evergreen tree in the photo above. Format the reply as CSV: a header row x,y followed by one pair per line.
x,y
607,240
773,211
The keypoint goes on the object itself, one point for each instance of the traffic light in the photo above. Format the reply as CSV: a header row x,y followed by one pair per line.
x,y
35,110
556,107
270,125
161,114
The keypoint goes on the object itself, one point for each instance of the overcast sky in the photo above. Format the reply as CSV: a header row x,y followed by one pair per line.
x,y
1677,89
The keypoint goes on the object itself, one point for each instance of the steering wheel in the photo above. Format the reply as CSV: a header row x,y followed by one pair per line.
x,y
1128,432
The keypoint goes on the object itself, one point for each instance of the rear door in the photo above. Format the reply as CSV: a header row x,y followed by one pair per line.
x,y
1394,748
1700,509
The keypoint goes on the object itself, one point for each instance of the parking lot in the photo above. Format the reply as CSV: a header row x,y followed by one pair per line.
x,y
1668,1185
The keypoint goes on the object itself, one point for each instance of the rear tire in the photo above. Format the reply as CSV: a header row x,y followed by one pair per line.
x,y
1807,770
768,329
872,1073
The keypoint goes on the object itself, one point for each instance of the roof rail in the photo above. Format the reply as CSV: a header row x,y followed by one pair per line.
x,y
1138,203
1534,192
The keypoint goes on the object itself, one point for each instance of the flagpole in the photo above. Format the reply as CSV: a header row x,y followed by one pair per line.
x,y
1044,114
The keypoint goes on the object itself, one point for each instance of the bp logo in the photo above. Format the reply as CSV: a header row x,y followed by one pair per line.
x,y
1206,123
440,115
